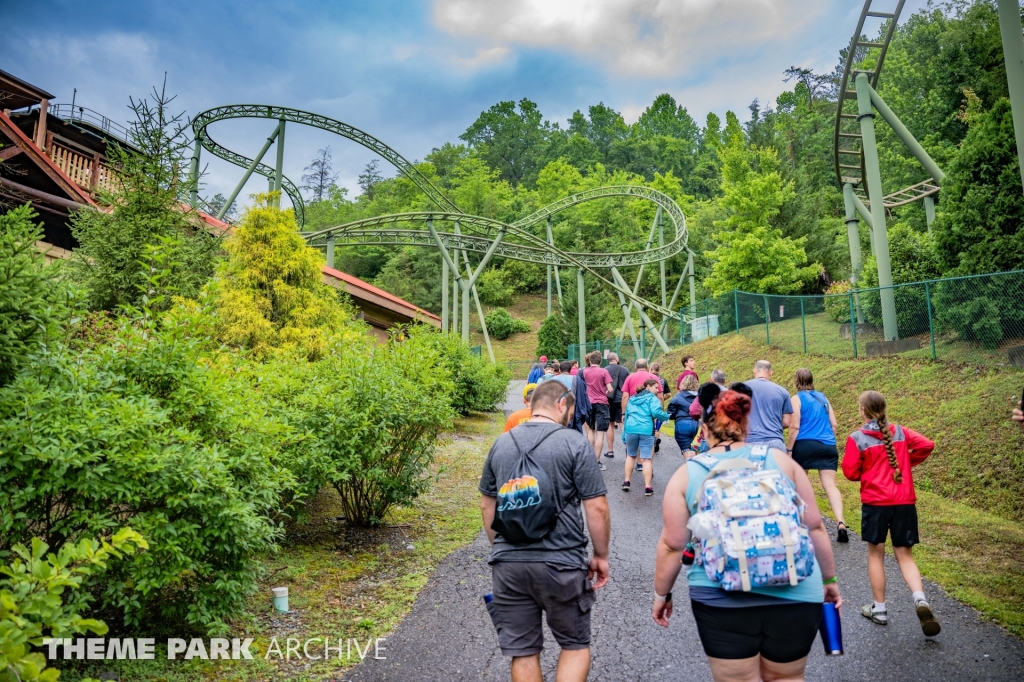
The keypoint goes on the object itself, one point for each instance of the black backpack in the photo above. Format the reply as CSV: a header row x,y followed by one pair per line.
x,y
528,505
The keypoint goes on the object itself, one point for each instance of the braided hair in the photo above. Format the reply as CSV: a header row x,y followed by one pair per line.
x,y
873,405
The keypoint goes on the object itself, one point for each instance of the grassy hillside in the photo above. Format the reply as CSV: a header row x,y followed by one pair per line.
x,y
970,491
519,348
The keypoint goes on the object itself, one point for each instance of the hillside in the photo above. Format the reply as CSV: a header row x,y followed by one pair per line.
x,y
970,491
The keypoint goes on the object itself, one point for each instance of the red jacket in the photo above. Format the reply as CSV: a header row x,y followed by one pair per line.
x,y
865,460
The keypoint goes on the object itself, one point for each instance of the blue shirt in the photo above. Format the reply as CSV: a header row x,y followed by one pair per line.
x,y
564,379
808,590
814,423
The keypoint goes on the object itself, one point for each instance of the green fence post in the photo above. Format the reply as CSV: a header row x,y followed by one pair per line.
x,y
931,323
736,302
853,324
767,317
803,322
682,339
707,318
643,339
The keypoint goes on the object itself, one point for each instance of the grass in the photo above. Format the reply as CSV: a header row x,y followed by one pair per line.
x,y
346,583
970,491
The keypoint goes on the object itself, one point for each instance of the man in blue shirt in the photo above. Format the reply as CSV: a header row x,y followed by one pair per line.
x,y
771,411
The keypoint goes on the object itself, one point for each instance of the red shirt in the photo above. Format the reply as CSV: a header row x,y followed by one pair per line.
x,y
597,380
866,460
635,381
686,373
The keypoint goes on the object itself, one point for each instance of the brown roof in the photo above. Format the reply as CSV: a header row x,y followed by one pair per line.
x,y
16,93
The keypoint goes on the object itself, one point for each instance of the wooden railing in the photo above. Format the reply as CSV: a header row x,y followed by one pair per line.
x,y
87,172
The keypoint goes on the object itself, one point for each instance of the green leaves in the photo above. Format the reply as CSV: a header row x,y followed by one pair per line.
x,y
502,325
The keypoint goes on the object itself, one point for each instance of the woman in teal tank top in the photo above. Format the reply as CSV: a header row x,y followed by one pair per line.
x,y
764,633
812,441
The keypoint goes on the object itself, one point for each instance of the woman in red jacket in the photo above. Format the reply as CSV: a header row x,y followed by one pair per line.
x,y
881,455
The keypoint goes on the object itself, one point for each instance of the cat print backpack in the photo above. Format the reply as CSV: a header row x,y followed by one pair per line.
x,y
748,522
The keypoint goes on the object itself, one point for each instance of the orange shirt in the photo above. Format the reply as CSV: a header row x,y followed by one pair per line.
x,y
517,418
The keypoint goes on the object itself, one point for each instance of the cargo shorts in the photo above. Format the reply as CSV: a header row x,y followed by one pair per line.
x,y
522,590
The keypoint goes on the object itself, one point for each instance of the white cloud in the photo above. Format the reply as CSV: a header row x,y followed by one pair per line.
x,y
633,37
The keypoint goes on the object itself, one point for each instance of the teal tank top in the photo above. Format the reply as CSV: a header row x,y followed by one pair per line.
x,y
808,590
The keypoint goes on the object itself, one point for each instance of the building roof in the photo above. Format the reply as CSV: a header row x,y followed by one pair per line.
x,y
19,94
370,292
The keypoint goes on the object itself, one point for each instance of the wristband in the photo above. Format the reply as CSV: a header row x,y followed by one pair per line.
x,y
831,581
665,598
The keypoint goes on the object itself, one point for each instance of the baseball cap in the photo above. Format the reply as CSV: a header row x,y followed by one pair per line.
x,y
543,358
528,388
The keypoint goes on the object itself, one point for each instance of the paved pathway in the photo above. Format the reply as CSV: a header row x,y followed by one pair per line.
x,y
448,636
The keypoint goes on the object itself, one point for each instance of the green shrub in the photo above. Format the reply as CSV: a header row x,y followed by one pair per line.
x,y
478,385
837,306
493,289
525,278
147,429
501,324
39,595
551,339
32,301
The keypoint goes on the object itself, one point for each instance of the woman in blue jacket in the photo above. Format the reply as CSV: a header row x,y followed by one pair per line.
x,y
679,410
638,432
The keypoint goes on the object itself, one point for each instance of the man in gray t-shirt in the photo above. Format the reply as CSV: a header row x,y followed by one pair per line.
x,y
771,410
551,575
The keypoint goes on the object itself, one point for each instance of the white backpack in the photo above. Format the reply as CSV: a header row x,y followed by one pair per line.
x,y
749,524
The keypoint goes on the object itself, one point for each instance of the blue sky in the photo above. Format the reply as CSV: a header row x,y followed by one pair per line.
x,y
415,74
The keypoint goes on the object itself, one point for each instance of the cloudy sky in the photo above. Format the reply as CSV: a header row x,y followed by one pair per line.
x,y
416,73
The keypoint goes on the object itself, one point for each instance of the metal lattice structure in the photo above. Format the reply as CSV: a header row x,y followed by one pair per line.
x,y
483,235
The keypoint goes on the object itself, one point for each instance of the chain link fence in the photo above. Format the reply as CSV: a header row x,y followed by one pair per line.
x,y
977,319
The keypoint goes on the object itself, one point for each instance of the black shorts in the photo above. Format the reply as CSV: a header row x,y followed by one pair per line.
x,y
814,455
522,590
598,419
781,634
897,520
615,411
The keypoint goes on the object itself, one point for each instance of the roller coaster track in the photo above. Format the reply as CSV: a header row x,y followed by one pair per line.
x,y
485,235
848,153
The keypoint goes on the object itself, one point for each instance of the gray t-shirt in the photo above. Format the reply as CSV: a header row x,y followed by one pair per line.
x,y
568,459
770,402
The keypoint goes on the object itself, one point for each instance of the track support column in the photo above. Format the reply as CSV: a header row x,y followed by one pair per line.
x,y
444,295
853,238
661,263
248,173
279,169
866,116
581,296
551,242
330,250
1013,54
193,175
627,315
929,211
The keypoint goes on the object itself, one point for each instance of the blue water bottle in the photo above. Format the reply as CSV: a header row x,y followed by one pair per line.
x,y
831,630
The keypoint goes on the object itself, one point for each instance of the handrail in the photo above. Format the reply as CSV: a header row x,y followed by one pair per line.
x,y
68,112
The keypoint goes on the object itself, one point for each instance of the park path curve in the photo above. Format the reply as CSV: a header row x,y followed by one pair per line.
x,y
448,636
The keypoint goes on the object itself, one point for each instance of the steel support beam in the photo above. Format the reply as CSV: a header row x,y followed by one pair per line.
x,y
444,295
455,300
550,241
643,316
905,135
1013,55
865,215
929,211
640,273
872,169
470,287
248,173
330,250
853,238
193,175
661,263
581,296
279,169
627,316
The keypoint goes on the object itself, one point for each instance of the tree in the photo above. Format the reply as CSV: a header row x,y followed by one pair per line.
x,y
813,82
370,178
148,205
752,255
981,226
216,203
319,175
510,141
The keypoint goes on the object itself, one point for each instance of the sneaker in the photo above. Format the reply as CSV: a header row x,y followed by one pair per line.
x,y
841,534
603,467
625,486
648,491
879,617
929,625
609,454
639,466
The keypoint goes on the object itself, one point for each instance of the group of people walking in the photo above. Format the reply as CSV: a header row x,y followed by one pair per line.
x,y
740,514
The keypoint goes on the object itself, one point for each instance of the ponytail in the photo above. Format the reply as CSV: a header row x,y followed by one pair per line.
x,y
873,404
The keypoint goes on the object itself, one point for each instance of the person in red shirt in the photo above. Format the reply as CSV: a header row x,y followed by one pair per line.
x,y
881,456
599,389
635,381
689,365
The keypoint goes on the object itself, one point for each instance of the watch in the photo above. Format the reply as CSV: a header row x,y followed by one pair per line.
x,y
665,598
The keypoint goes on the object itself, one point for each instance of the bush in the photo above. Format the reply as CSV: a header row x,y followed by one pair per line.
x,y
40,596
32,302
551,339
148,430
493,289
837,303
501,324
525,278
478,385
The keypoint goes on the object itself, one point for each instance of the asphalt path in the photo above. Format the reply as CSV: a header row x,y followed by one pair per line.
x,y
448,636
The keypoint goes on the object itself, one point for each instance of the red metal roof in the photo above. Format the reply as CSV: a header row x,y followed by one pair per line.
x,y
415,311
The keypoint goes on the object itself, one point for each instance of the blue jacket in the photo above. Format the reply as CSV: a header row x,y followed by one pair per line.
x,y
583,407
679,406
535,374
641,411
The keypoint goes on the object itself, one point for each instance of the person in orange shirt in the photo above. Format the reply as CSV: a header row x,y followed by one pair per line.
x,y
523,415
